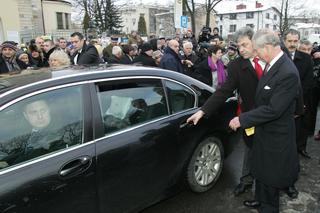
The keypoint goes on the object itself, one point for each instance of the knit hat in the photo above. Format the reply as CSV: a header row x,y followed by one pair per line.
x,y
9,44
19,53
232,46
114,39
145,47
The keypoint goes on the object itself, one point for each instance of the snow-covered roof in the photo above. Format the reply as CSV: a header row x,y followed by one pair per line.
x,y
231,6
306,25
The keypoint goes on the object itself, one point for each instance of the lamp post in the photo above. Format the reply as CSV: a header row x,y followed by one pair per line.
x,y
43,24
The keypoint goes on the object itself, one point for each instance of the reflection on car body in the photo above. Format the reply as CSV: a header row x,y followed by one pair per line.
x,y
107,139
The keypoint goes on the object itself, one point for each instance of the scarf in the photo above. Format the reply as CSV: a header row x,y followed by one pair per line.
x,y
219,67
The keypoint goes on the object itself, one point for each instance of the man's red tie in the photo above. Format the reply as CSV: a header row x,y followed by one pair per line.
x,y
257,67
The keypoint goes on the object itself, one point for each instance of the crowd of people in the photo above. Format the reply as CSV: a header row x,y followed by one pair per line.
x,y
277,81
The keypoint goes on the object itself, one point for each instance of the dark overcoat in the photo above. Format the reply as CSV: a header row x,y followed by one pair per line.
x,y
241,77
88,55
274,157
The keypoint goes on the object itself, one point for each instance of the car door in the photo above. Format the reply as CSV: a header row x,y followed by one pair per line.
x,y
47,162
136,153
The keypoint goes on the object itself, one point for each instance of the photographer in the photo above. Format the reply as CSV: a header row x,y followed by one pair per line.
x,y
205,35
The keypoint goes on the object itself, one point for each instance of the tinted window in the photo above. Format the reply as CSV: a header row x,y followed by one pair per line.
x,y
40,124
180,97
126,103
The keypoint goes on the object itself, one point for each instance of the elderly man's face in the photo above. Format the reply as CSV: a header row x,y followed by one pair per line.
x,y
291,42
187,50
245,47
174,45
77,42
38,114
8,52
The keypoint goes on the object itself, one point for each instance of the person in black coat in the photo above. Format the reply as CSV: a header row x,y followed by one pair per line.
x,y
84,53
275,163
145,57
304,64
211,70
189,58
243,78
128,54
171,59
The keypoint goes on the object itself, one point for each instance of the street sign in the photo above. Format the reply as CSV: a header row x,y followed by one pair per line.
x,y
184,21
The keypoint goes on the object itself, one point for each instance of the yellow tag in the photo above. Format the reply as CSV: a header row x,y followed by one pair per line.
x,y
249,131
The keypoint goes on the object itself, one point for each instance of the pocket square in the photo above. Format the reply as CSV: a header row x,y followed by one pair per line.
x,y
266,87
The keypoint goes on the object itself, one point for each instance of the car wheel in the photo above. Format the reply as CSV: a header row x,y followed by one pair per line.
x,y
205,165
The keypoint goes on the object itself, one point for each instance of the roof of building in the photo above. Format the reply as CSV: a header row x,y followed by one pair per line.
x,y
62,1
241,6
306,25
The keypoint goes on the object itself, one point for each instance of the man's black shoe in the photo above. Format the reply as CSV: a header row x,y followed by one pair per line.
x,y
251,204
292,192
241,188
305,154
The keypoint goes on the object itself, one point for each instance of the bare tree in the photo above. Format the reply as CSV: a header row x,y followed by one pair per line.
x,y
190,5
209,7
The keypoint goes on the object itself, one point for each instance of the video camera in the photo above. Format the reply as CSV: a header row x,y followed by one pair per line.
x,y
205,34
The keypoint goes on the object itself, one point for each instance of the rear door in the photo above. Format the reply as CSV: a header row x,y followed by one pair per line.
x,y
47,162
136,152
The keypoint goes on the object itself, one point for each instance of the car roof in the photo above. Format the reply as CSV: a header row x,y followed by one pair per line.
x,y
27,78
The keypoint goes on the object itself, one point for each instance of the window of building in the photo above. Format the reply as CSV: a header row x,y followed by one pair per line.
x,y
59,21
40,125
67,18
250,25
267,26
249,15
233,16
275,17
267,15
233,28
274,27
221,17
221,28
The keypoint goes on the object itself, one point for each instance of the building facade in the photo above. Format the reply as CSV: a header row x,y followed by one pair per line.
x,y
232,15
22,20
130,17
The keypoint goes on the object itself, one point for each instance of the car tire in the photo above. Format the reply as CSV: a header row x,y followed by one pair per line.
x,y
205,165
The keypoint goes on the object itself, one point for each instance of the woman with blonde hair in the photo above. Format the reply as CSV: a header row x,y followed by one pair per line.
x,y
59,59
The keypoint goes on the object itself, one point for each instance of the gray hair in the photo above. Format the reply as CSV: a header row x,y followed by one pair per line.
x,y
305,42
243,32
116,50
292,32
265,37
187,44
60,56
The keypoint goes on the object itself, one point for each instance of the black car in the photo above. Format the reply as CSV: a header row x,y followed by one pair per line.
x,y
104,139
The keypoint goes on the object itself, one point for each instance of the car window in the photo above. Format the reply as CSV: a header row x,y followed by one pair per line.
x,y
125,103
180,97
40,124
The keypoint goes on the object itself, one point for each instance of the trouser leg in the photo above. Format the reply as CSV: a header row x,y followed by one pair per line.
x,y
246,178
268,197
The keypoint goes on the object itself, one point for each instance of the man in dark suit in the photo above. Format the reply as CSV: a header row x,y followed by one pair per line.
x,y
274,157
304,65
242,77
84,53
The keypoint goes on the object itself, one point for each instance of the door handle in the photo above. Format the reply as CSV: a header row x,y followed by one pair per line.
x,y
75,166
186,124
